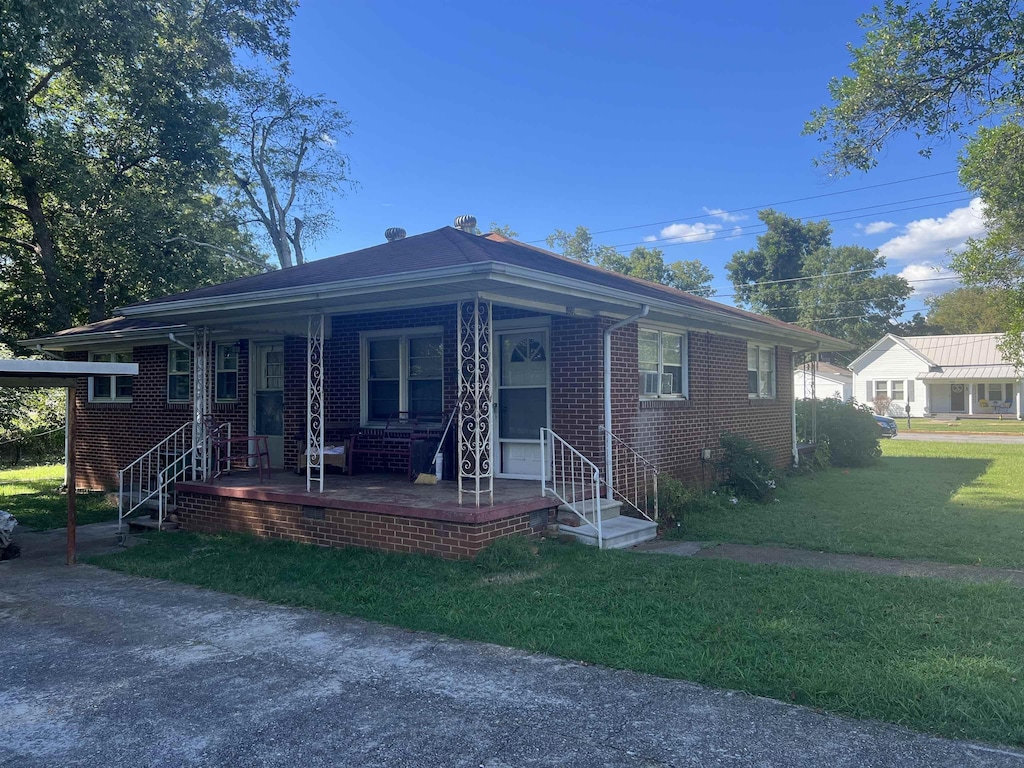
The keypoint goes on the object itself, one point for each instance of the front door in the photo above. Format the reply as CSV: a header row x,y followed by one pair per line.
x,y
268,397
522,401
956,397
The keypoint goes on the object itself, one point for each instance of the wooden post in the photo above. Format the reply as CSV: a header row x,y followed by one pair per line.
x,y
72,475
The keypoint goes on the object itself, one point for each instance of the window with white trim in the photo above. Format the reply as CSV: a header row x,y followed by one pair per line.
x,y
403,373
996,393
662,361
227,373
110,389
897,390
881,389
760,371
179,374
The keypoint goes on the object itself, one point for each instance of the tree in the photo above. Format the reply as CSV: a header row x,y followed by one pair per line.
x,y
938,72
765,277
796,274
110,128
970,310
286,163
642,262
504,230
933,71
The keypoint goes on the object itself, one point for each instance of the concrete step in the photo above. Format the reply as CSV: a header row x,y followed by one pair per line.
x,y
618,533
609,510
144,524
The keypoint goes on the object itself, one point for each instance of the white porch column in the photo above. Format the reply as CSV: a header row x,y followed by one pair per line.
x,y
315,402
927,398
969,388
1018,388
473,433
200,403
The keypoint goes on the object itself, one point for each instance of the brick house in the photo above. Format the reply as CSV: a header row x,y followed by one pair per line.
x,y
360,359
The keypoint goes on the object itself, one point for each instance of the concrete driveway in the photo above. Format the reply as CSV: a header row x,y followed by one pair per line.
x,y
100,669
950,437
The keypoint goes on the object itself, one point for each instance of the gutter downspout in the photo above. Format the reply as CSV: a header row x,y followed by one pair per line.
x,y
644,310
175,340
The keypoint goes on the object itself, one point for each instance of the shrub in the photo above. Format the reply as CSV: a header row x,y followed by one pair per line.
x,y
849,431
511,553
747,469
675,500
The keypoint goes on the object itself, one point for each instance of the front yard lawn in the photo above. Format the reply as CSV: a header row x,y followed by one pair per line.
x,y
1008,426
945,501
936,656
32,494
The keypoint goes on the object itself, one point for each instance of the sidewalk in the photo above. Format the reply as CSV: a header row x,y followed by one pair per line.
x,y
803,558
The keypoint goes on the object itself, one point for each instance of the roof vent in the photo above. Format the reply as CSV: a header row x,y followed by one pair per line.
x,y
394,233
466,224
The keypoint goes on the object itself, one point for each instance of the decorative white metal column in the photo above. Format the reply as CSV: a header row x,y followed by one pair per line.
x,y
315,401
200,403
473,436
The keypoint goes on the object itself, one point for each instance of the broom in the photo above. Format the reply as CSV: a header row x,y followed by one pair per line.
x,y
426,478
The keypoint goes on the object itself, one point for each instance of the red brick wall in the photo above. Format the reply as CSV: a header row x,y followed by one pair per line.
x,y
341,527
111,435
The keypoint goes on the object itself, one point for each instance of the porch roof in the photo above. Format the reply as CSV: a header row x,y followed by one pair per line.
x,y
972,373
448,265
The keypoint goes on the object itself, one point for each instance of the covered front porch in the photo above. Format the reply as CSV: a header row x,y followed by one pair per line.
x,y
971,398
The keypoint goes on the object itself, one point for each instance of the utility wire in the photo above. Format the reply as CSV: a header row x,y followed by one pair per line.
x,y
719,214
828,274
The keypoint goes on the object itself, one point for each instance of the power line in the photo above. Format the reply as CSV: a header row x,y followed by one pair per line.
x,y
829,274
766,205
715,238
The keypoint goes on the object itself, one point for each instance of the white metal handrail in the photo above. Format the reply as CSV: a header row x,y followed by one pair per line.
x,y
639,474
166,479
140,481
572,478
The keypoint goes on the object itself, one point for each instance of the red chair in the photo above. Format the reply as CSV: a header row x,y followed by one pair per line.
x,y
222,448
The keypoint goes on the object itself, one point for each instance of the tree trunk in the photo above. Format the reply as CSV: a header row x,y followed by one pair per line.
x,y
46,250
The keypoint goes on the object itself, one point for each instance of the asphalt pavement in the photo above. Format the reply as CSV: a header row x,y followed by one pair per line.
x,y
102,669
954,437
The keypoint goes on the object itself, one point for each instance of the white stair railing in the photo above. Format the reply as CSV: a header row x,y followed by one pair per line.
x,y
166,479
638,474
572,478
146,477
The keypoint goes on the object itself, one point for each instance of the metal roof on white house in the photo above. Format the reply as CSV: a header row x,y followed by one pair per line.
x,y
961,349
972,373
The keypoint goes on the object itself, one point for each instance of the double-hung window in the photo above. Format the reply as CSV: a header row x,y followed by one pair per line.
x,y
662,363
110,389
897,390
402,374
760,371
178,374
996,392
881,389
227,373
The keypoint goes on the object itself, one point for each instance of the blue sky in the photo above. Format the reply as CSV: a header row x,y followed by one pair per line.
x,y
643,115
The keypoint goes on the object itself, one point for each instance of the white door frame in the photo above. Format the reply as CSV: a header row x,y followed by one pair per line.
x,y
253,374
529,325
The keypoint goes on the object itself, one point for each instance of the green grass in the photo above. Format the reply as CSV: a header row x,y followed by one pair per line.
x,y
32,495
1008,425
945,501
937,656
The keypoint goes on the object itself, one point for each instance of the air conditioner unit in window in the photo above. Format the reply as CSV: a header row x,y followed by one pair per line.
x,y
650,382
667,382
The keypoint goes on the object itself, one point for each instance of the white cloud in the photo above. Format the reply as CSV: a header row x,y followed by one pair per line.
x,y
689,233
931,278
875,227
724,215
650,238
925,240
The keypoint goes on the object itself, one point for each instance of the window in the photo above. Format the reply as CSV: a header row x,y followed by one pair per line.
x,y
227,372
110,388
760,371
897,390
662,363
178,374
881,389
403,373
996,392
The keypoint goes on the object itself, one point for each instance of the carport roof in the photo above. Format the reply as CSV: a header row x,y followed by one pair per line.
x,y
57,373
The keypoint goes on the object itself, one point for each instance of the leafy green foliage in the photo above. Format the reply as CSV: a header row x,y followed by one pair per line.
x,y
970,310
930,70
782,277
676,500
848,431
111,152
642,262
747,469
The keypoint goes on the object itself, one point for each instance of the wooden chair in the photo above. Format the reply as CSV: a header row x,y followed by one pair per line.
x,y
222,448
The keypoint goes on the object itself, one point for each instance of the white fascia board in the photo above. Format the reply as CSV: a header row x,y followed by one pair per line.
x,y
92,338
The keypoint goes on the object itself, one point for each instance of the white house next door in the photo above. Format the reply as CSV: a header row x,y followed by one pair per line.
x,y
523,401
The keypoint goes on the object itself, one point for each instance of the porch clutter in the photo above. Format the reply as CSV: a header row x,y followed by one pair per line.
x,y
634,379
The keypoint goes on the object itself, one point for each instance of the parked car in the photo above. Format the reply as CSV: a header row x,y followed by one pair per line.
x,y
887,426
